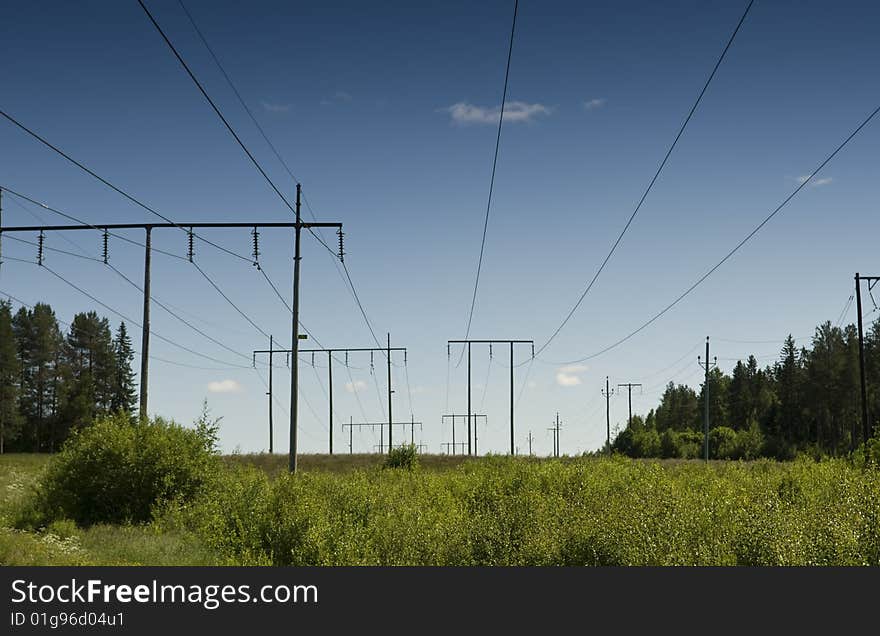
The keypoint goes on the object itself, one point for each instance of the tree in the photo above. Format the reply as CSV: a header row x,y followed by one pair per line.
x,y
124,396
10,378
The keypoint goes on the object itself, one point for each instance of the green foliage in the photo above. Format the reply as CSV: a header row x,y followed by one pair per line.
x,y
722,443
405,456
511,511
116,472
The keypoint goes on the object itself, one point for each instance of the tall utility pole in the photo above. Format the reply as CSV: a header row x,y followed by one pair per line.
x,y
490,343
555,430
629,389
350,435
145,327
271,351
530,443
390,419
330,352
708,366
608,392
473,416
866,427
294,340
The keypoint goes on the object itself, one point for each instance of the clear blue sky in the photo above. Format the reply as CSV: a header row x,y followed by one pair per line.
x,y
385,113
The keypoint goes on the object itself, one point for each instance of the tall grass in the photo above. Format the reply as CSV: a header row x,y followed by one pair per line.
x,y
503,511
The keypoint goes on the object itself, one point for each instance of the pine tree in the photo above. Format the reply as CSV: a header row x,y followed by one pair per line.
x,y
10,379
124,395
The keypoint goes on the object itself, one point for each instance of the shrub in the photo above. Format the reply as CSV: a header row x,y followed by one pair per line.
x,y
749,442
406,456
669,444
116,472
722,443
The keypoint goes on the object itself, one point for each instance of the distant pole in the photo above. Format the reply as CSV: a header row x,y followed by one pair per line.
x,y
530,443
453,435
145,337
629,388
381,439
294,345
330,389
469,398
862,381
412,429
557,433
389,394
608,393
512,449
269,392
708,366
350,435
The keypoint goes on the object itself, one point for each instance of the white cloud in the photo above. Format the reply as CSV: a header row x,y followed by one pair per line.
x,y
569,375
224,386
815,182
464,113
356,386
593,104
275,108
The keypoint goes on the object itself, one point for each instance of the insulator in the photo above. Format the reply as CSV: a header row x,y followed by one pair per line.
x,y
533,349
490,350
189,249
287,360
40,241
106,243
256,253
254,362
346,358
313,358
340,234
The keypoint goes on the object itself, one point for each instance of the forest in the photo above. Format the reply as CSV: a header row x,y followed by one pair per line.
x,y
53,383
806,402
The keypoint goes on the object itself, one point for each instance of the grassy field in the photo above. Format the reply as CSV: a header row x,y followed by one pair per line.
x,y
490,511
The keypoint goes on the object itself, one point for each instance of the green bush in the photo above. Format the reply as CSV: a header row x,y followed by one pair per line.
x,y
722,443
405,456
116,472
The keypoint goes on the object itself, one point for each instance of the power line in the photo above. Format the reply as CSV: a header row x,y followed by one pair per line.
x,y
116,189
226,298
492,178
651,183
737,247
214,106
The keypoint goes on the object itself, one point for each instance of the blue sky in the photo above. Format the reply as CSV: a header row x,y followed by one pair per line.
x,y
387,116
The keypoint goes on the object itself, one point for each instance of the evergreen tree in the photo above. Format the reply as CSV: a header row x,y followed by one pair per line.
x,y
124,395
10,379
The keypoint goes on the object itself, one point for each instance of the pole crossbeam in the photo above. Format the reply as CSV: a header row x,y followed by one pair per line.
x,y
144,226
490,342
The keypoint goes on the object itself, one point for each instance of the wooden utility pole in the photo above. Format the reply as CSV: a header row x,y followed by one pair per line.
x,y
555,430
863,383
145,330
708,366
530,443
294,340
269,393
512,404
608,392
629,389
390,419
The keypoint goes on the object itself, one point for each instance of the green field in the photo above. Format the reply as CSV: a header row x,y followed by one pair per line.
x,y
490,511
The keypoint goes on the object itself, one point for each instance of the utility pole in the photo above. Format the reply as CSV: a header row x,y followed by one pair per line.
x,y
608,392
297,226
145,330
473,416
708,366
555,431
350,435
866,428
530,443
453,446
390,426
629,389
490,343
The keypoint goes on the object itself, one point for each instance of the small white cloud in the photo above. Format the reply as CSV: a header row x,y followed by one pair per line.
x,y
464,113
814,182
568,375
356,386
276,108
224,386
593,104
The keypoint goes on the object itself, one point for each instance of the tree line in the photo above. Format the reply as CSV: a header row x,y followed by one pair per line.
x,y
807,401
53,383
